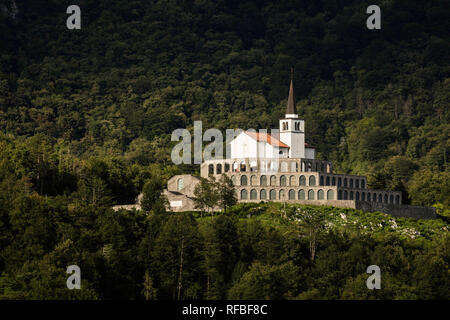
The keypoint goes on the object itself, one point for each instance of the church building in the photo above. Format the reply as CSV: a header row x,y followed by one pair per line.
x,y
282,167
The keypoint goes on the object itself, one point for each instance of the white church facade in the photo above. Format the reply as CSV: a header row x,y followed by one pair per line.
x,y
283,168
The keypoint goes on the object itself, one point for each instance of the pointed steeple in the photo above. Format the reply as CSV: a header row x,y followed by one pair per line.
x,y
291,109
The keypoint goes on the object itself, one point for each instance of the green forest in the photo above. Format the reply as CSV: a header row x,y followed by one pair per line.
x,y
86,118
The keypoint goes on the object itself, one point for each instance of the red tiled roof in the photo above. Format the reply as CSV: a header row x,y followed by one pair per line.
x,y
265,137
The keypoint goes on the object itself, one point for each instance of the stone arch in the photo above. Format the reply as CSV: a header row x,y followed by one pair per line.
x,y
263,181
263,194
253,180
330,195
320,194
301,194
281,195
272,194
244,195
312,180
291,194
292,181
244,179
273,180
253,194
283,181
310,194
302,180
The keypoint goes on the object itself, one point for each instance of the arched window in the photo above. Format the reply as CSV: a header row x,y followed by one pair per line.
x,y
363,184
339,182
219,168
312,180
263,181
243,180
345,182
327,181
368,196
283,181
385,198
262,195
345,195
356,183
351,195
351,183
301,194
180,184
363,196
330,195
310,194
340,195
253,181
243,167
380,198
391,198
227,167
357,194
253,194
292,181
321,181
333,181
302,181
320,194
291,194
273,180
243,194
210,169
273,195
397,199
282,195
233,179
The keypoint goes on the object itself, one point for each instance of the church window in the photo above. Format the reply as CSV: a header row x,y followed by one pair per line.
x,y
283,181
227,167
253,181
243,194
233,179
356,183
310,194
291,194
380,198
263,181
363,184
243,180
385,198
272,194
273,181
219,168
263,195
253,194
243,167
330,195
282,195
210,169
180,184
302,180
312,180
301,194
320,194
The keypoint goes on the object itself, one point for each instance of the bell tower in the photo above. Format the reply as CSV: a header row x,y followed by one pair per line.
x,y
292,129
